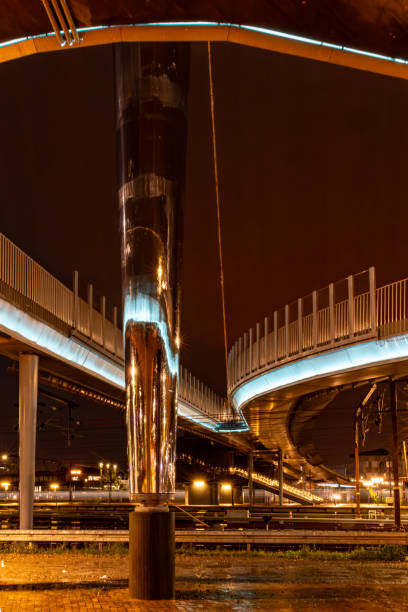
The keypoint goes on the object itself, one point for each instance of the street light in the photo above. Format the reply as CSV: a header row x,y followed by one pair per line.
x,y
74,473
4,457
5,486
54,487
199,484
110,471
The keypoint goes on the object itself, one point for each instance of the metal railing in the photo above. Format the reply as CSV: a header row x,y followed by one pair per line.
x,y
342,313
274,484
194,392
27,285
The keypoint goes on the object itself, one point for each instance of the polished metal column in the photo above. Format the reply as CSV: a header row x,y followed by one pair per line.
x,y
151,90
28,391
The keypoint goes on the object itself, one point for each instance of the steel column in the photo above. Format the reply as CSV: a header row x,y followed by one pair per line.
x,y
250,480
395,466
28,391
357,462
280,471
151,92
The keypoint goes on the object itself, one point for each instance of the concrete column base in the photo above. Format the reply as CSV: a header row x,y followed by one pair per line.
x,y
151,553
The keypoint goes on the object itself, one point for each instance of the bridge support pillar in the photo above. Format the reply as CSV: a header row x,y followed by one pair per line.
x,y
151,92
395,454
28,391
280,473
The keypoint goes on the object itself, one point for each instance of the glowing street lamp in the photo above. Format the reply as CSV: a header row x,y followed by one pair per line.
x,y
4,457
5,486
199,484
336,497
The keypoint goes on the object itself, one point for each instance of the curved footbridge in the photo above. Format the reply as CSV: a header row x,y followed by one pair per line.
x,y
347,334
350,332
80,349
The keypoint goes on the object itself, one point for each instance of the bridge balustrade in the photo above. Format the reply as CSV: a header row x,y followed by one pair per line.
x,y
350,311
31,288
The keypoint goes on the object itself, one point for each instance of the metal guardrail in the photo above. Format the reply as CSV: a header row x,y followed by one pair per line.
x,y
274,484
227,536
342,313
256,477
30,287
349,311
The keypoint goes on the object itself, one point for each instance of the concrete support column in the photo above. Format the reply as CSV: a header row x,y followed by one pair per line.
x,y
151,553
151,93
28,391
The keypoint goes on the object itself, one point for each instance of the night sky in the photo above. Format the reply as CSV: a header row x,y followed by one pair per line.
x,y
312,164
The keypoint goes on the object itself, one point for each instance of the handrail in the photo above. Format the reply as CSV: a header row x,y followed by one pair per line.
x,y
342,313
256,477
273,483
29,286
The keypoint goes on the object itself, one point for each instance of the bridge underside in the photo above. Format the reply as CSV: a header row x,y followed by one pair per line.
x,y
372,25
277,418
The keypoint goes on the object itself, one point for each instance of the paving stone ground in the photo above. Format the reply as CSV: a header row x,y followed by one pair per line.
x,y
71,582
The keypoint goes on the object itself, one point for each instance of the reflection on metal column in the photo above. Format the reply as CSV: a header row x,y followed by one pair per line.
x,y
151,88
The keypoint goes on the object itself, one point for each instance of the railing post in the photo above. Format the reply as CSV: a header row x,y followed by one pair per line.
x,y
258,354
300,325
266,340
245,353
251,342
314,300
331,311
232,366
350,288
103,314
287,330
75,301
90,303
115,326
275,336
373,306
240,368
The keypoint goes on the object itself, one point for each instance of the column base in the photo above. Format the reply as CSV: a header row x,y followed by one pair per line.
x,y
151,553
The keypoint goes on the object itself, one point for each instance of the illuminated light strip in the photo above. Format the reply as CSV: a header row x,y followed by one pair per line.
x,y
28,330
21,326
211,24
188,412
333,362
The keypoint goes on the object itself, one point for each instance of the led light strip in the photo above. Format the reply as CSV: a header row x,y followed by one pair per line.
x,y
191,24
354,357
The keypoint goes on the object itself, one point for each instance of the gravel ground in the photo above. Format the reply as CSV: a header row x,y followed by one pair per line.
x,y
77,581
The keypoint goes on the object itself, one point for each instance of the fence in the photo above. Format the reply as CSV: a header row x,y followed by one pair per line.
x,y
345,312
30,287
342,313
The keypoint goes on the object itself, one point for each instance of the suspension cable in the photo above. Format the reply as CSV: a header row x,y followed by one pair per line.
x,y
217,197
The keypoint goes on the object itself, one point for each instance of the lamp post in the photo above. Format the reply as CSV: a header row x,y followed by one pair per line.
x,y
54,487
5,486
73,474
